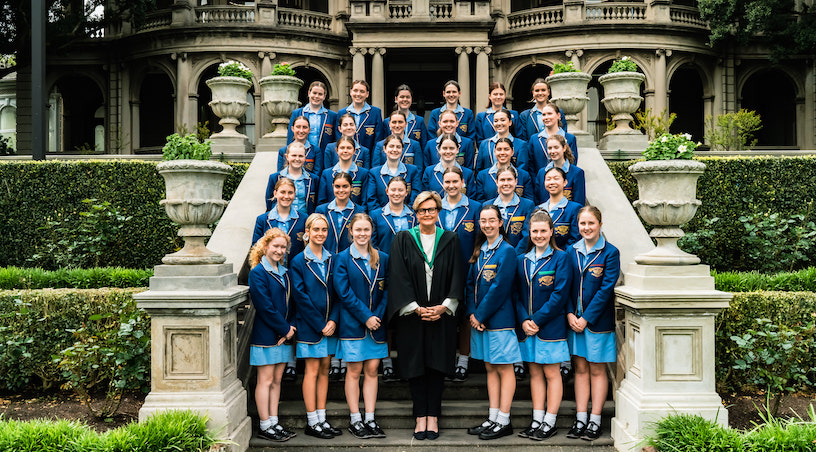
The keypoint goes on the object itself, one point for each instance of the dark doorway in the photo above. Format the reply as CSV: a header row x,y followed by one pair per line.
x,y
776,108
309,75
522,86
156,104
81,98
425,71
686,100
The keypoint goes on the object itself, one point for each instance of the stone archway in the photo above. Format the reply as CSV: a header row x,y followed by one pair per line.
x,y
772,94
310,75
81,98
523,82
686,100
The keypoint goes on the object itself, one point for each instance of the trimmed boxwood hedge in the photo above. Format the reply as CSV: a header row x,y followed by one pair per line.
x,y
736,186
34,193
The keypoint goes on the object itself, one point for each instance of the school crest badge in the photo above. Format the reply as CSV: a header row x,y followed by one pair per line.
x,y
568,193
562,229
300,236
381,284
328,129
519,191
596,271
546,280
369,131
488,275
356,190
469,226
463,128
309,166
515,227
417,135
460,159
409,160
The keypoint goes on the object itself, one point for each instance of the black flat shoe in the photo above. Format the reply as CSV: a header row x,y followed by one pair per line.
x,y
359,430
375,429
480,428
318,431
431,435
328,427
420,435
285,431
528,432
592,432
544,431
521,373
577,430
496,431
272,434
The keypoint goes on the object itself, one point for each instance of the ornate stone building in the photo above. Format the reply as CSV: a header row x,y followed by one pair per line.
x,y
125,90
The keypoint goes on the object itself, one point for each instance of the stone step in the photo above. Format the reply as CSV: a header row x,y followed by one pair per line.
x,y
450,440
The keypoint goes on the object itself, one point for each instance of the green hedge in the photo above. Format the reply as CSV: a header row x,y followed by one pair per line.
x,y
782,308
736,186
36,326
76,278
801,281
34,193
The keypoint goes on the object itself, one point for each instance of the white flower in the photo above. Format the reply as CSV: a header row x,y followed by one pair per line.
x,y
687,136
624,58
681,148
664,139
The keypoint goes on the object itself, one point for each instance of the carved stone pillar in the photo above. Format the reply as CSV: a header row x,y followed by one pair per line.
x,y
183,70
358,63
377,78
463,75
482,75
660,90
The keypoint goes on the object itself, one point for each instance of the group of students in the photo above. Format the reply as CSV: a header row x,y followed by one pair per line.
x,y
541,279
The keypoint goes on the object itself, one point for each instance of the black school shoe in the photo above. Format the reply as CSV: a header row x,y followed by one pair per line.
x,y
328,427
577,430
496,431
528,432
375,429
272,434
521,373
289,374
460,375
544,431
318,431
285,431
359,430
592,432
480,428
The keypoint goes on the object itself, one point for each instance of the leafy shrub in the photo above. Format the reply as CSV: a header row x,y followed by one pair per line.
x,y
186,147
560,68
801,281
624,64
77,278
733,131
283,69
783,435
35,193
654,125
170,431
787,310
688,432
776,240
38,325
234,69
732,187
668,146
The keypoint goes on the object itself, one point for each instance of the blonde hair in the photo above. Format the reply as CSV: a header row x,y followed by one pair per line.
x,y
567,150
291,146
259,248
310,220
374,259
426,195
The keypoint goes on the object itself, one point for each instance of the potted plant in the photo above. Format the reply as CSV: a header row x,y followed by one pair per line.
x,y
667,195
621,86
193,184
279,92
229,97
568,88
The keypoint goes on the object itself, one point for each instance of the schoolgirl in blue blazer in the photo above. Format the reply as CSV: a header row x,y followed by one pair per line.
x,y
497,96
591,319
489,294
394,216
359,176
448,149
313,161
322,121
466,123
379,176
339,211
537,155
459,213
411,150
466,155
305,182
273,328
487,154
561,157
531,120
564,212
544,284
415,128
514,209
347,128
368,119
284,217
486,186
316,322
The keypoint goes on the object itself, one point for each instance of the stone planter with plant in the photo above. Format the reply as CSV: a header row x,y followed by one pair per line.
x,y
621,86
280,97
568,87
229,97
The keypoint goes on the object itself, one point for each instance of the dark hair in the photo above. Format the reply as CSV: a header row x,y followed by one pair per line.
x,y
391,138
448,136
344,139
361,82
318,84
493,86
455,170
540,214
555,168
342,175
505,140
567,151
557,113
536,82
481,237
403,87
396,179
344,116
301,117
508,169
454,83
396,112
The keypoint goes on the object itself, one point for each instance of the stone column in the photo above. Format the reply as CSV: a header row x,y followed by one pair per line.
x,y
358,63
183,70
660,90
463,74
377,78
482,76
135,126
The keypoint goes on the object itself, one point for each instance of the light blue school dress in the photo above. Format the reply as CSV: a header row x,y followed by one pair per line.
x,y
313,292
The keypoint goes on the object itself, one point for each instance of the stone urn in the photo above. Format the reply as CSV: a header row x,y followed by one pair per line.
x,y
569,93
667,191
229,102
280,98
622,98
194,201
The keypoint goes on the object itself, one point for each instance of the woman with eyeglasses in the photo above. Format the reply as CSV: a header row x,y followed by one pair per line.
x,y
425,289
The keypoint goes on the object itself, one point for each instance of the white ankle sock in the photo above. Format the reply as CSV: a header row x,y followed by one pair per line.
x,y
462,361
503,418
356,417
549,419
321,415
538,416
311,418
582,417
492,413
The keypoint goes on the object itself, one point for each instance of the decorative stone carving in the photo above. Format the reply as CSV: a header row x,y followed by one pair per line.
x,y
622,98
229,103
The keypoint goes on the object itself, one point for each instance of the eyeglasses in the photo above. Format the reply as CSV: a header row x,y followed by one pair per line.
x,y
489,221
427,211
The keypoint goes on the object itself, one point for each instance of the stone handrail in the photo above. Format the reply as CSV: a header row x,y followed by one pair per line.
x,y
536,18
158,19
442,9
687,15
225,14
615,12
306,19
399,10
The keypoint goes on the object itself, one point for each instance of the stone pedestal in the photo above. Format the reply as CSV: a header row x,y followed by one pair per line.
x,y
631,142
585,139
669,348
231,145
193,350
270,144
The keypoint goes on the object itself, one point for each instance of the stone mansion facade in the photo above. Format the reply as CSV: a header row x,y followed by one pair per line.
x,y
126,89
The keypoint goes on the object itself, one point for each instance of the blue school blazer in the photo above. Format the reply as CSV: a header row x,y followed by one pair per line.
x,y
416,130
537,155
314,298
543,295
274,309
370,129
327,128
359,186
378,184
294,229
574,191
466,156
313,162
484,125
431,180
338,239
466,227
311,191
361,158
384,229
593,294
516,225
486,157
529,126
360,296
489,289
467,123
486,187
411,154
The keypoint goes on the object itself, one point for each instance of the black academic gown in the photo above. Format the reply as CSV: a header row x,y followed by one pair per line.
x,y
423,344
